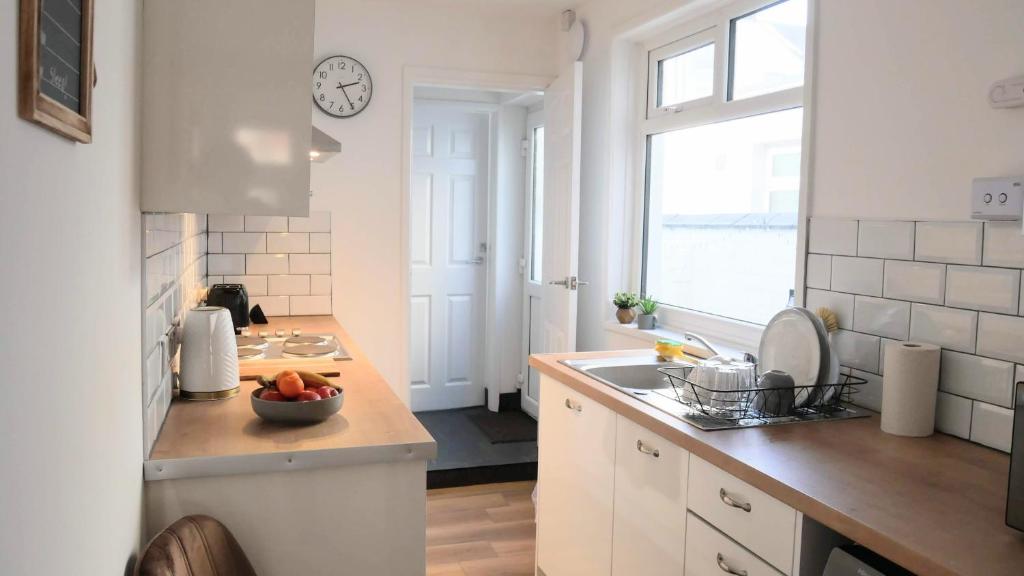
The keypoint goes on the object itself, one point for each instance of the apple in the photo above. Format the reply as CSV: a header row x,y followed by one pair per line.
x,y
307,396
272,396
325,391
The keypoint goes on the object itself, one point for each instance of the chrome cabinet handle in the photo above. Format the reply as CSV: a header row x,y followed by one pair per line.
x,y
729,569
745,506
574,406
647,449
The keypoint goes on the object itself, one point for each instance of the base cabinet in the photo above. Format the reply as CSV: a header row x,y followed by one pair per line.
x,y
649,523
575,483
711,553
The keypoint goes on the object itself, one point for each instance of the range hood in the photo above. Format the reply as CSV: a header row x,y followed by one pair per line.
x,y
322,147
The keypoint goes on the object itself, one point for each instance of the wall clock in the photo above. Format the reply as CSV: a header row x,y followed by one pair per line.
x,y
341,86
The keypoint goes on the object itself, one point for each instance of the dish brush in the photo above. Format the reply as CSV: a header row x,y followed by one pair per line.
x,y
829,318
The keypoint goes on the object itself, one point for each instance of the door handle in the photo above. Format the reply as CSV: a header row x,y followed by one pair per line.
x,y
644,448
478,260
559,282
570,282
728,569
574,406
728,500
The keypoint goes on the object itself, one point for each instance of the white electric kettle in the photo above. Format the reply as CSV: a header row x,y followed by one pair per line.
x,y
209,355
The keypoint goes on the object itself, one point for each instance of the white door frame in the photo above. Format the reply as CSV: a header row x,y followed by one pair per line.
x,y
413,76
534,120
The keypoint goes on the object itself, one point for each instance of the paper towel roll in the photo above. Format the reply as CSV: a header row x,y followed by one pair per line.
x,y
910,388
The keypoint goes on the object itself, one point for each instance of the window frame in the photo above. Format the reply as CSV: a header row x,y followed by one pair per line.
x,y
650,121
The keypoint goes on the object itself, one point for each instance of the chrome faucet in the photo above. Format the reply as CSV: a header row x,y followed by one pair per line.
x,y
702,341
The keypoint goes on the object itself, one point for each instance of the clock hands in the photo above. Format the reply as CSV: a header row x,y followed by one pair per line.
x,y
343,91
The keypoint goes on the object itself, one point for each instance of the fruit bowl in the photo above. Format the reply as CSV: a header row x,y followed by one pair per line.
x,y
293,412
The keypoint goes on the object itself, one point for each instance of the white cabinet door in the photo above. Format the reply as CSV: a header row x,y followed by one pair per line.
x,y
575,482
226,112
711,553
649,528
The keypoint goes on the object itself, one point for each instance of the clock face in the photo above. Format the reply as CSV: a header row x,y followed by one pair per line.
x,y
341,86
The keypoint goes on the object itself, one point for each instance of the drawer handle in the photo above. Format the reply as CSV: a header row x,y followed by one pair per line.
x,y
745,506
574,406
647,449
729,569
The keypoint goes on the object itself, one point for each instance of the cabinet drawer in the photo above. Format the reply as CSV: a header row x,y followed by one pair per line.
x,y
710,553
759,522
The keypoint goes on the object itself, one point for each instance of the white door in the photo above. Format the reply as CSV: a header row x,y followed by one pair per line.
x,y
533,287
562,110
447,236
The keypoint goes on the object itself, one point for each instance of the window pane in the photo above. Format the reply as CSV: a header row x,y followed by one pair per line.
x,y
722,216
537,202
686,77
768,49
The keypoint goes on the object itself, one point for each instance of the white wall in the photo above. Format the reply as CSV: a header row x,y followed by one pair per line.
x,y
71,421
362,186
902,122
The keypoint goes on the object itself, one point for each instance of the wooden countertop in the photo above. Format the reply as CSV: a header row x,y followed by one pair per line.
x,y
226,437
934,505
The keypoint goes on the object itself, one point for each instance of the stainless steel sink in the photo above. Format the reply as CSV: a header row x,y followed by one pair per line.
x,y
640,378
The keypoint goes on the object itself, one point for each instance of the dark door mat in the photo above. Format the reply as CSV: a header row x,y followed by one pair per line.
x,y
505,426
481,475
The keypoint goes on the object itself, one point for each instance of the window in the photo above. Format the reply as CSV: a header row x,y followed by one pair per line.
x,y
537,205
722,167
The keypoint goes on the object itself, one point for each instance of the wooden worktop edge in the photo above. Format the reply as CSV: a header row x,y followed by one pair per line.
x,y
670,428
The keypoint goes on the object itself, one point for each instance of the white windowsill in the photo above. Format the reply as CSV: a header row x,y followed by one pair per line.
x,y
728,337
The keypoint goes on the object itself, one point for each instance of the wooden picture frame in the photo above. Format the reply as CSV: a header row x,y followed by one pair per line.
x,y
44,46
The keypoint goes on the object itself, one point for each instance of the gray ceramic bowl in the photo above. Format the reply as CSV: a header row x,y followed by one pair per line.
x,y
775,396
296,412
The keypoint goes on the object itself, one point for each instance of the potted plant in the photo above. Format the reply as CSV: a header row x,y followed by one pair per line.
x,y
647,320
625,302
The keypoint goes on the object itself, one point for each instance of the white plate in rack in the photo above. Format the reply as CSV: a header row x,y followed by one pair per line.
x,y
796,342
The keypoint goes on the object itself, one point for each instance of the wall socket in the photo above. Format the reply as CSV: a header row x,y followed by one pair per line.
x,y
997,198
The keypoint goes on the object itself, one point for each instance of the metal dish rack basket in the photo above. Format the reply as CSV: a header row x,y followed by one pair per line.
x,y
820,401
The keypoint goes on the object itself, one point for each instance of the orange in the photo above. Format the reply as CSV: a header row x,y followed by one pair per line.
x,y
289,384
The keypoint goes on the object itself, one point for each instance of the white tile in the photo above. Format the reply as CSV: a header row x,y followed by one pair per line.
x,y
266,264
224,264
890,318
1004,245
288,242
316,222
988,289
153,374
857,275
992,426
868,395
883,239
215,242
946,327
320,285
953,415
244,243
254,285
840,304
310,305
320,242
950,242
976,377
288,285
831,236
915,281
310,264
211,280
266,223
272,305
1001,337
819,271
226,223
857,350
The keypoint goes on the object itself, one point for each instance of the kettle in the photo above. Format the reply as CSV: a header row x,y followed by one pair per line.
x,y
235,298
209,355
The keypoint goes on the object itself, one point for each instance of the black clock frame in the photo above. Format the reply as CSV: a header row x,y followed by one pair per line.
x,y
369,78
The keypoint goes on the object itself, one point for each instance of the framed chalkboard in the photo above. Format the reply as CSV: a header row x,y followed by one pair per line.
x,y
55,66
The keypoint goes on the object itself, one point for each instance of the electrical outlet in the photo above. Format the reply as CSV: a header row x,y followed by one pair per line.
x,y
997,198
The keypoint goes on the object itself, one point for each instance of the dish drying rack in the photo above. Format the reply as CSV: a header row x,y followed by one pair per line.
x,y
765,405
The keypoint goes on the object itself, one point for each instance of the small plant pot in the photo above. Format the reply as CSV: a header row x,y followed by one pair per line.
x,y
625,315
646,321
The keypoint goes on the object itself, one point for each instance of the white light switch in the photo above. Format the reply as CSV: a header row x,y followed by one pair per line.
x,y
1007,93
997,198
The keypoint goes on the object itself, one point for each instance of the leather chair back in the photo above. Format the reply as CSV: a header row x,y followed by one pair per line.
x,y
194,546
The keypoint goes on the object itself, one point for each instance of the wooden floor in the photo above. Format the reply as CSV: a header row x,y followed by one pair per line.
x,y
484,530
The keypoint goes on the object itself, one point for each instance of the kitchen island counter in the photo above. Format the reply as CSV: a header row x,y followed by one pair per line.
x,y
222,437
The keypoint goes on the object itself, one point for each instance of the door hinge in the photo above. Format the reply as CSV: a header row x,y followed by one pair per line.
x,y
522,266
524,147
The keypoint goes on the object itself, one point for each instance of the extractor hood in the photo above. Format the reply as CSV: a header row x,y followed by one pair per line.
x,y
323,147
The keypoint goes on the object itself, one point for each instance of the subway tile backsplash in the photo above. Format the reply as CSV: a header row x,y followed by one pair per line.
x,y
284,262
955,284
